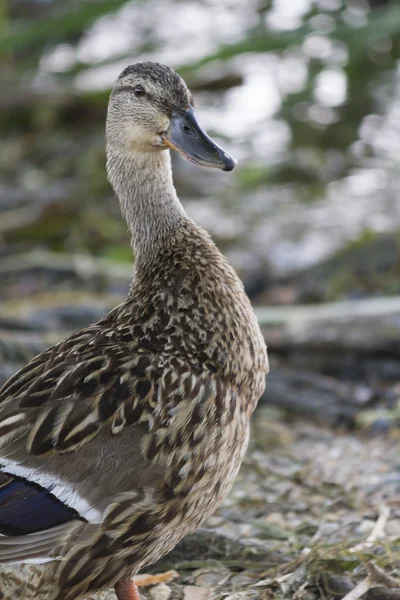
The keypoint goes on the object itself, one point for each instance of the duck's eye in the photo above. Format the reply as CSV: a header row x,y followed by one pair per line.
x,y
139,91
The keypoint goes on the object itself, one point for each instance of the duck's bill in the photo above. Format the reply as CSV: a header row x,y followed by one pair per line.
x,y
187,137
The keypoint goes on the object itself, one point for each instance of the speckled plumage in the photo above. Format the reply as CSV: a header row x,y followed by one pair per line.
x,y
145,413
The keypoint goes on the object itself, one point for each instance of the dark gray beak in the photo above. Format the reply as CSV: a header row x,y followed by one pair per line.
x,y
186,136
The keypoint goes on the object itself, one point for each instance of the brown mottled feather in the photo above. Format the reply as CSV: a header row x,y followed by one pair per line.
x,y
150,407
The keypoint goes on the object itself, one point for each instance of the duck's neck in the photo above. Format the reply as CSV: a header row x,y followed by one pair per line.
x,y
149,204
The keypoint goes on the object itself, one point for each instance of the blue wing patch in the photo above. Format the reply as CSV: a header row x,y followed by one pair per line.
x,y
26,507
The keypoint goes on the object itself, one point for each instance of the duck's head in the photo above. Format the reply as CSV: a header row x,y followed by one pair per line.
x,y
151,109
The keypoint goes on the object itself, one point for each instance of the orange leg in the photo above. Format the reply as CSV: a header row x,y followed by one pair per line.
x,y
126,589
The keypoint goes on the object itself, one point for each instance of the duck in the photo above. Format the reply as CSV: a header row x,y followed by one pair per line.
x,y
123,438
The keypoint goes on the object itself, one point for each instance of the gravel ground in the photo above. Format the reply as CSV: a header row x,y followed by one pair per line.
x,y
313,513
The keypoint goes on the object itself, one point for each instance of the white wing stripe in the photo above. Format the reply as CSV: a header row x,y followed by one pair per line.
x,y
63,490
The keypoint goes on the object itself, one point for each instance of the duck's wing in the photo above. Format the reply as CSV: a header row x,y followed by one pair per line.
x,y
33,522
74,397
27,508
64,396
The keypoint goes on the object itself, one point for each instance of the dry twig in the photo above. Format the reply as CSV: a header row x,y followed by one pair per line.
x,y
379,575
361,589
378,531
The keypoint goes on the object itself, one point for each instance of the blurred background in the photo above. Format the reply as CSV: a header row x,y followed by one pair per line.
x,y
306,95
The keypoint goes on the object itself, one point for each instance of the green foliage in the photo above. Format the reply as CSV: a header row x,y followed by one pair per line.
x,y
60,25
253,175
370,54
382,23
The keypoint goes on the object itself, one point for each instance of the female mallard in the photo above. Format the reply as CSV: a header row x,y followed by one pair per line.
x,y
120,440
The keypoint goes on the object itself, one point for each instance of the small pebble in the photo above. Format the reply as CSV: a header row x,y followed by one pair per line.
x,y
210,578
162,591
366,526
195,592
242,579
214,521
248,595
